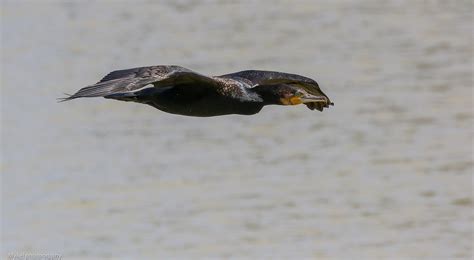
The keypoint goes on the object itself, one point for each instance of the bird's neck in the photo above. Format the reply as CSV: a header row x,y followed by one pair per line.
x,y
267,94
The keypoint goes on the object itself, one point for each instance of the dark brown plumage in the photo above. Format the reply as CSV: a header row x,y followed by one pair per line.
x,y
178,90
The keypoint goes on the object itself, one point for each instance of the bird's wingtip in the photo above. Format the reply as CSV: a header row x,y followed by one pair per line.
x,y
67,98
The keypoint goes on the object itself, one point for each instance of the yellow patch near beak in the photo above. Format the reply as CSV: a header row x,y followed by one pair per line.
x,y
291,101
295,100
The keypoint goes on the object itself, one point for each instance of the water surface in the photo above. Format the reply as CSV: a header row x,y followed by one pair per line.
x,y
386,172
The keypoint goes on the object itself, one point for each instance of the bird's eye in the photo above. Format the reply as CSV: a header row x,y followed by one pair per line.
x,y
299,93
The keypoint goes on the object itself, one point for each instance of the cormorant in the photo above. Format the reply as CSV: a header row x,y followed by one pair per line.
x,y
178,90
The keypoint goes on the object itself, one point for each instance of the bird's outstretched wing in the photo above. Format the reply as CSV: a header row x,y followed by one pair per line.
x,y
268,78
131,80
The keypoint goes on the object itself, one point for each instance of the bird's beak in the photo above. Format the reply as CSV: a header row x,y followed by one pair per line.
x,y
316,102
301,98
310,99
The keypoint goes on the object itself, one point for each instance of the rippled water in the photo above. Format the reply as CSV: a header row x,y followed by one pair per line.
x,y
386,172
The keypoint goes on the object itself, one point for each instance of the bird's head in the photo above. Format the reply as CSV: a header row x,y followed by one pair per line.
x,y
286,94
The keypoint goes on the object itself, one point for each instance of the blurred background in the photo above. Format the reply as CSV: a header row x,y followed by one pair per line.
x,y
386,172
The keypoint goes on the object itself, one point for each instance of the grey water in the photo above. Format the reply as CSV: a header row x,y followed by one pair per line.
x,y
385,173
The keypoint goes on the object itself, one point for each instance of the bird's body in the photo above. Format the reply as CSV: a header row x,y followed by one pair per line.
x,y
178,90
186,100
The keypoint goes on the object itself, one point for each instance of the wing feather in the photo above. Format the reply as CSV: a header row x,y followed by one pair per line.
x,y
129,80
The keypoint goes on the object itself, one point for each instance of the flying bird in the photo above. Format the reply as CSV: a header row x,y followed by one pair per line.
x,y
178,90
